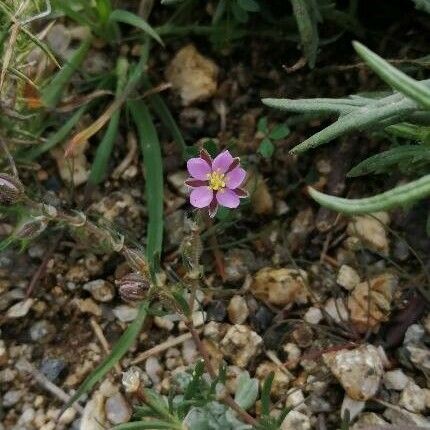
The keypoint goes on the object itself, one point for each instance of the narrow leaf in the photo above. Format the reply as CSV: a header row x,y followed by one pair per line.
x,y
143,425
383,161
55,138
160,108
265,394
307,28
394,77
360,119
104,150
118,351
319,105
52,93
398,196
151,151
130,18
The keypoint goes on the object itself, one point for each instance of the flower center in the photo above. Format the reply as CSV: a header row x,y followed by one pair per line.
x,y
216,180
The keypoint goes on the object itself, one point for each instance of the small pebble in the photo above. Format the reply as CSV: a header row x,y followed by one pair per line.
x,y
347,277
101,290
154,369
237,310
395,380
354,407
125,313
413,398
52,368
20,309
295,420
117,409
414,334
313,315
11,398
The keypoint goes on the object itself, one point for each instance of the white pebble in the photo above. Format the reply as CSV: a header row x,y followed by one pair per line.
x,y
313,315
395,380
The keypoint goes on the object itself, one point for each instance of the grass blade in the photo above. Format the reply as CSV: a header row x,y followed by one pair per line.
x,y
52,93
104,150
99,123
151,151
118,351
55,138
398,196
394,77
165,116
130,18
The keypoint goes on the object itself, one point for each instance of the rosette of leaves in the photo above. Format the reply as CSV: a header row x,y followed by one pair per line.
x,y
403,113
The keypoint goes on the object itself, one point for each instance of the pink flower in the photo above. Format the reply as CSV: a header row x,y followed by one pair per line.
x,y
215,182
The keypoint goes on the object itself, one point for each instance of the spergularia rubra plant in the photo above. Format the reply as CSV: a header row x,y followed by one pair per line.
x,y
215,182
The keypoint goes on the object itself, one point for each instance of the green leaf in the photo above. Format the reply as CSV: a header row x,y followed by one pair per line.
x,y
104,149
265,394
405,155
190,152
317,105
160,108
153,166
394,77
422,5
387,111
249,5
144,425
211,146
53,92
104,9
279,132
55,138
262,125
130,18
241,15
398,196
306,22
118,351
247,391
266,148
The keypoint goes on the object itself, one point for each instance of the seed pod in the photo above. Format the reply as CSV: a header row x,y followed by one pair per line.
x,y
11,189
30,228
133,287
136,260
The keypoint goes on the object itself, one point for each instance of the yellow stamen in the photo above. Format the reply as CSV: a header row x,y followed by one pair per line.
x,y
216,181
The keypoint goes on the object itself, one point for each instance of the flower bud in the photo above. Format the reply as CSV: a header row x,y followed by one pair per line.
x,y
30,228
133,287
11,189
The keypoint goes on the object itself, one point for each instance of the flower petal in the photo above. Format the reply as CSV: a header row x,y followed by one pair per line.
x,y
194,183
235,177
198,168
222,162
201,197
227,198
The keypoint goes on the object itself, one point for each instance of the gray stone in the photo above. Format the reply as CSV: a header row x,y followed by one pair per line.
x,y
117,409
52,368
